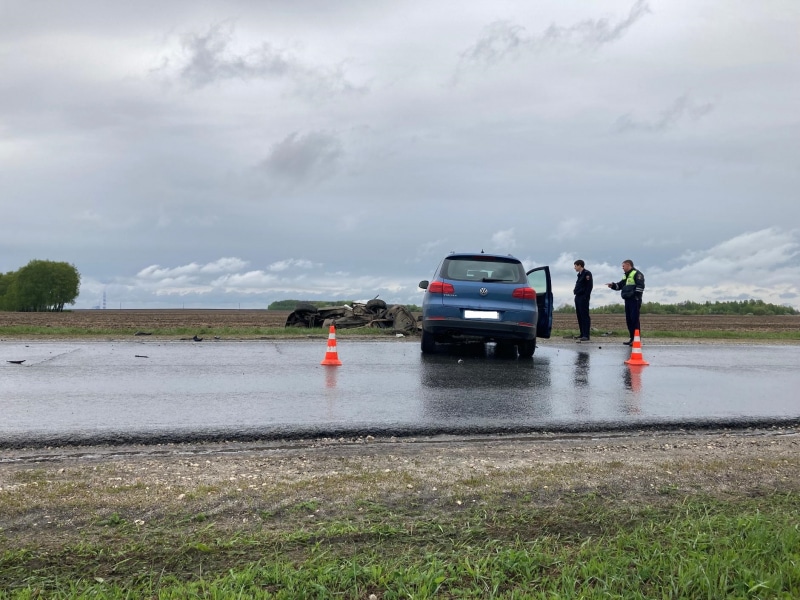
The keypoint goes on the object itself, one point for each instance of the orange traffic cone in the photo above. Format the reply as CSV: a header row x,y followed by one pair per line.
x,y
331,357
636,351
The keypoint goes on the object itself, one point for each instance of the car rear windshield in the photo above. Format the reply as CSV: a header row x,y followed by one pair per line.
x,y
480,269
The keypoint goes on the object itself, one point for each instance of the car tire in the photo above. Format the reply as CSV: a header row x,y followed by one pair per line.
x,y
375,305
526,349
428,345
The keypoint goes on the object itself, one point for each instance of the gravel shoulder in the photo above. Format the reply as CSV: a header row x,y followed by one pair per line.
x,y
319,456
50,495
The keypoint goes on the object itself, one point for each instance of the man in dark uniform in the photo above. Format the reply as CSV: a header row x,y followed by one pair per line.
x,y
583,291
632,288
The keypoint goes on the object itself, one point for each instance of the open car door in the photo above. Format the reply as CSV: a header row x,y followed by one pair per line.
x,y
539,280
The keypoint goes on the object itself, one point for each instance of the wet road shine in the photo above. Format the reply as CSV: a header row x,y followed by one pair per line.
x,y
110,392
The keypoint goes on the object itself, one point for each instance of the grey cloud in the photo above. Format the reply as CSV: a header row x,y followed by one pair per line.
x,y
503,39
209,58
304,158
112,170
682,108
595,33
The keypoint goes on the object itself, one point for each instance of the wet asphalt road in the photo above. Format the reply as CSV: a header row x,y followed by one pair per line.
x,y
124,392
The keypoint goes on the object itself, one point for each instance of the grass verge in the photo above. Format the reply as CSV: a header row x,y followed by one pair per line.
x,y
532,532
587,548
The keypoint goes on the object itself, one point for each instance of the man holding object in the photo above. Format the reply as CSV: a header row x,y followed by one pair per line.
x,y
631,288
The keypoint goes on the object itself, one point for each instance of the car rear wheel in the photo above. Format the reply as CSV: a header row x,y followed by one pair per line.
x,y
526,349
375,305
428,344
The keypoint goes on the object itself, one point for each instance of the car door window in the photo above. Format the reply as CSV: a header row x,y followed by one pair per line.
x,y
539,280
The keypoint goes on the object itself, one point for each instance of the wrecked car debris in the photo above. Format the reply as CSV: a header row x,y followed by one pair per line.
x,y
372,313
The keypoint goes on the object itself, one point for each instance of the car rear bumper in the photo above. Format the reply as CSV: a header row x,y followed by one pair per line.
x,y
462,328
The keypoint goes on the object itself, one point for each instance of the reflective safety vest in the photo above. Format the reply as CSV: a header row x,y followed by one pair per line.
x,y
630,280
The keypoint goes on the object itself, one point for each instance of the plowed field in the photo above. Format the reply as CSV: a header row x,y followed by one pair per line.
x,y
194,319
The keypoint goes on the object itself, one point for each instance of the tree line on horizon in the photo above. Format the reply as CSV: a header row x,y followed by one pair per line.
x,y
741,307
733,307
39,286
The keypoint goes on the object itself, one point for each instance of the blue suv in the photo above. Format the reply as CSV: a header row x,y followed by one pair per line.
x,y
486,297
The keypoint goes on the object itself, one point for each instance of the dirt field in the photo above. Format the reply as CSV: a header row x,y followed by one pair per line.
x,y
149,320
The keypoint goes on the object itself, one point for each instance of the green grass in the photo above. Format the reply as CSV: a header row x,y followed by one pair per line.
x,y
586,547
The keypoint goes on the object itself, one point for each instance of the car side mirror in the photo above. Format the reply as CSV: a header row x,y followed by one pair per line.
x,y
424,284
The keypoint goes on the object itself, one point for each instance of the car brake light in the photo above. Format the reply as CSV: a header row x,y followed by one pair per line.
x,y
440,287
526,293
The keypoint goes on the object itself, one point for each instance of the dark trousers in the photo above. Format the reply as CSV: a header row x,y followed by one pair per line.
x,y
632,306
582,311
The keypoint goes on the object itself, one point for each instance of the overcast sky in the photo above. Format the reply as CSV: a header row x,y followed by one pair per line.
x,y
226,154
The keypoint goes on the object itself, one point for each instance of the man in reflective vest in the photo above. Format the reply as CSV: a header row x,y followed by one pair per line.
x,y
632,288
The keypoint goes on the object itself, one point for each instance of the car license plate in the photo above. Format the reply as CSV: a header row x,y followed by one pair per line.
x,y
481,314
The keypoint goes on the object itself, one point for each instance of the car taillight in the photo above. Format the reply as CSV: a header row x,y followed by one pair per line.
x,y
440,287
525,293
